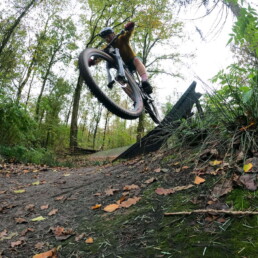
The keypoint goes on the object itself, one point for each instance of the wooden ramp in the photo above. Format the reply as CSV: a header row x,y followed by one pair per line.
x,y
155,138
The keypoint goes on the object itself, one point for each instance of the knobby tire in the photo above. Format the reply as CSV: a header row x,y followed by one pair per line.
x,y
100,94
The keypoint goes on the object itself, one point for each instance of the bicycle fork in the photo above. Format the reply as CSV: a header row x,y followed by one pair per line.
x,y
120,77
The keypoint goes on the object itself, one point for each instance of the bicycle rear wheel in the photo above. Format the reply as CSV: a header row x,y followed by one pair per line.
x,y
121,98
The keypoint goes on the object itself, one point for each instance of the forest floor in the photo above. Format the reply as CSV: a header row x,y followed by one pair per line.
x,y
125,209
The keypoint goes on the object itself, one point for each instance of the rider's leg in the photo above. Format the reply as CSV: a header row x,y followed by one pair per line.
x,y
143,74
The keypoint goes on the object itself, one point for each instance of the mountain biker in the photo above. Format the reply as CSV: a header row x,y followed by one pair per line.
x,y
126,52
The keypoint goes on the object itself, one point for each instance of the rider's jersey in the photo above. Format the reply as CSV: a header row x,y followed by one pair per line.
x,y
122,43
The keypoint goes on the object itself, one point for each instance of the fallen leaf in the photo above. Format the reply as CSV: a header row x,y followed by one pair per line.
x,y
40,218
131,187
111,207
97,206
111,191
215,162
49,254
247,167
25,231
162,191
129,202
122,199
36,183
29,207
10,236
61,233
3,233
223,188
249,181
67,174
19,191
80,237
97,194
53,212
185,167
89,240
157,170
17,243
39,245
3,192
20,220
44,207
198,180
151,180
59,198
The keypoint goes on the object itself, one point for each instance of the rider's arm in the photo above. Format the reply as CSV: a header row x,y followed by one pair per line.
x,y
129,28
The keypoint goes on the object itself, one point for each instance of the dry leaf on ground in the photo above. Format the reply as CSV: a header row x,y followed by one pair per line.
x,y
3,234
61,233
97,206
129,202
20,220
59,198
248,167
19,191
89,240
151,180
223,188
215,162
111,207
249,181
40,218
163,191
17,243
26,230
131,187
30,207
198,180
39,245
53,212
80,237
44,207
111,191
49,254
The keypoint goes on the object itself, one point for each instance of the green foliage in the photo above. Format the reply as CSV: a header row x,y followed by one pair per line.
x,y
16,125
245,30
19,153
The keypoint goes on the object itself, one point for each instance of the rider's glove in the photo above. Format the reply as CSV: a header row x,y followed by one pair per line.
x,y
129,26
91,62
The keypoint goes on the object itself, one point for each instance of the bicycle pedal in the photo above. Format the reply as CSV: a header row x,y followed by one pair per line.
x,y
111,84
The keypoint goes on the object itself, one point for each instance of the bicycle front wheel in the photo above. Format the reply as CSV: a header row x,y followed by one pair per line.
x,y
121,97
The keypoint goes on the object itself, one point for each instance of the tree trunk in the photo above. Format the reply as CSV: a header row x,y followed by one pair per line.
x,y
50,64
75,110
105,130
97,124
13,27
21,86
28,95
140,127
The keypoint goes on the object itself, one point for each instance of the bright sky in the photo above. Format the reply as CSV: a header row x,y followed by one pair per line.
x,y
212,53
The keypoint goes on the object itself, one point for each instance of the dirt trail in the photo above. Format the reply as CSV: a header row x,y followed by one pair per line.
x,y
68,193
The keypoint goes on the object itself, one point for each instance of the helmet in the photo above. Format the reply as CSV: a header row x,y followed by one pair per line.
x,y
106,31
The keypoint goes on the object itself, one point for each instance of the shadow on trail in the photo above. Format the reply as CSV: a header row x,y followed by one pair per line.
x,y
155,138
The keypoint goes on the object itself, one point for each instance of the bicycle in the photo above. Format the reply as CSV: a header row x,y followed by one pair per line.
x,y
120,90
